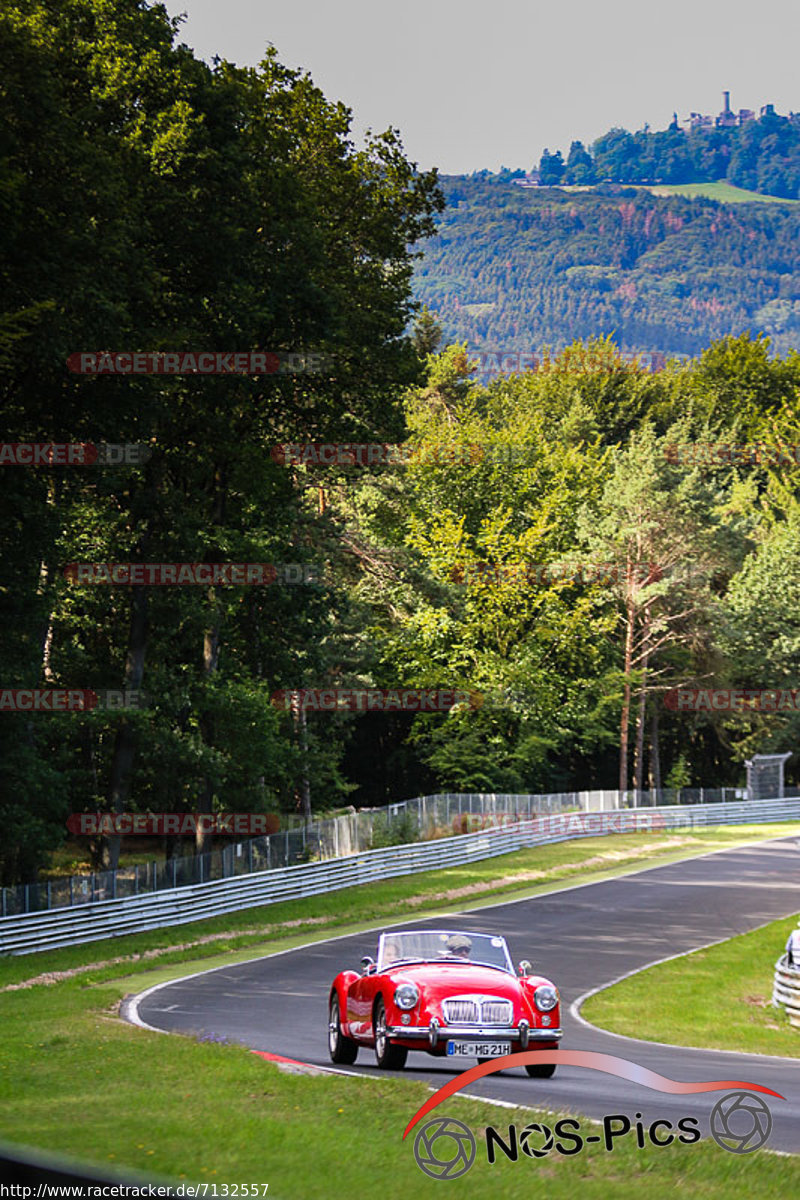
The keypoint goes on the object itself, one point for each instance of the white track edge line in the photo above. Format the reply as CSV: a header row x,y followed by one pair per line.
x,y
575,1007
132,1003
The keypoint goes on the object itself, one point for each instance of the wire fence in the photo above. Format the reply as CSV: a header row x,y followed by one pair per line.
x,y
33,932
421,819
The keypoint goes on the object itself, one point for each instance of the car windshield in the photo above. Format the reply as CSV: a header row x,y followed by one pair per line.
x,y
443,946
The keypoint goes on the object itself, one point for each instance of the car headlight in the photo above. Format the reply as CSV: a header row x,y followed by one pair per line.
x,y
406,996
545,997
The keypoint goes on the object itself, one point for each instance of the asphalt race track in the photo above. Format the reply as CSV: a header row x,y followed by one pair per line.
x,y
582,938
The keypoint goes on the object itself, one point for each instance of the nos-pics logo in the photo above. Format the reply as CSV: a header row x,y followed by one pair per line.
x,y
445,1148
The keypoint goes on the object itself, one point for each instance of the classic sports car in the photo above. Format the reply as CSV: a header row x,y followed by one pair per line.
x,y
452,994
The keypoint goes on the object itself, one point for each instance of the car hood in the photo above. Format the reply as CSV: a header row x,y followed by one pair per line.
x,y
452,979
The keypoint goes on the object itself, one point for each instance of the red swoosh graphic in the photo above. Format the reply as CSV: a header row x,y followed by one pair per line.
x,y
623,1068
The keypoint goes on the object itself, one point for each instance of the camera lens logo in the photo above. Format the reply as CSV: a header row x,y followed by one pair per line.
x,y
528,1137
740,1122
444,1148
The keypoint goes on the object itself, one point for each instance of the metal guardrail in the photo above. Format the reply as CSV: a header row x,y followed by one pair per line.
x,y
115,918
334,837
786,989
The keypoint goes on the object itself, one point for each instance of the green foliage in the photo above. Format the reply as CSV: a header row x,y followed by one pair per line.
x,y
763,155
513,269
151,202
388,830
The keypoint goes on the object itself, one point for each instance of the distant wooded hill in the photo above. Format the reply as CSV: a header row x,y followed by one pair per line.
x,y
760,154
517,269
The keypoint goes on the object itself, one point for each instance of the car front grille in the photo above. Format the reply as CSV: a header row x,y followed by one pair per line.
x,y
477,1012
461,1012
496,1012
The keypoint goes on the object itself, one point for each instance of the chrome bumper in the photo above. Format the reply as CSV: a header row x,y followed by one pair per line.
x,y
474,1033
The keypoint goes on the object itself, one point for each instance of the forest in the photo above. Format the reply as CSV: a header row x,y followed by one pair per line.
x,y
762,155
514,269
155,204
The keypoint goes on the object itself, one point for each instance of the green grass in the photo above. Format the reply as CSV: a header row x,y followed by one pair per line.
x,y
75,1079
717,998
726,193
203,1112
524,873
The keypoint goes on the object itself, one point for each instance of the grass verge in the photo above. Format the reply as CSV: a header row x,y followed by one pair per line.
x,y
726,193
75,1079
510,876
717,998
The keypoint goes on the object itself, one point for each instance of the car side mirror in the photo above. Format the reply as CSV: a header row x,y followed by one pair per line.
x,y
366,964
525,967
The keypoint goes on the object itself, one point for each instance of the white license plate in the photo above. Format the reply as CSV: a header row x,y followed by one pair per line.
x,y
477,1049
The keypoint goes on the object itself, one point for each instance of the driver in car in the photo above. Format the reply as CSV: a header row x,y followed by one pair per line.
x,y
458,945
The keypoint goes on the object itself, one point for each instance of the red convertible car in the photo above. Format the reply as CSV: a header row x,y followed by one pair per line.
x,y
451,994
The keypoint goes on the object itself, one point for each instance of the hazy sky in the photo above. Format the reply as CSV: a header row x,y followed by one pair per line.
x,y
472,85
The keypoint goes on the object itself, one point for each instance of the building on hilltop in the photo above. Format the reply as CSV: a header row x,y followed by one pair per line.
x,y
727,119
696,120
530,180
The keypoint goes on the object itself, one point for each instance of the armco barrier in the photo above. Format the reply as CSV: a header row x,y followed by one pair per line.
x,y
114,918
352,832
786,990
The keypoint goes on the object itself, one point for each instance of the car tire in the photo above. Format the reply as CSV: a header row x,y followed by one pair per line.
x,y
538,1071
341,1049
387,1056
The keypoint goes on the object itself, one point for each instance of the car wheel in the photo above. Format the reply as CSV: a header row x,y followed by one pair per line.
x,y
388,1057
539,1071
342,1049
